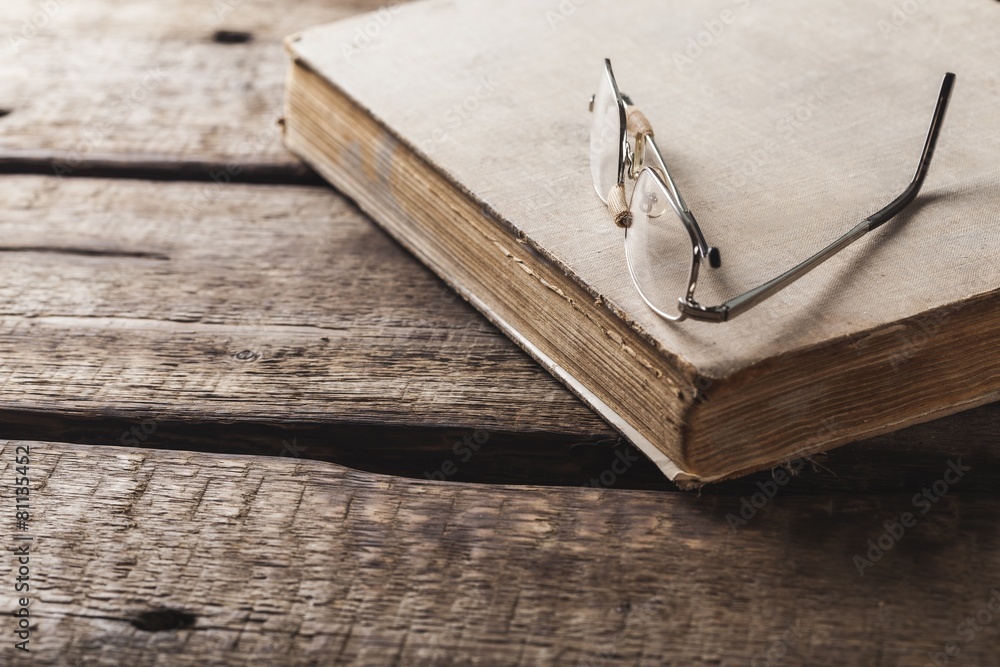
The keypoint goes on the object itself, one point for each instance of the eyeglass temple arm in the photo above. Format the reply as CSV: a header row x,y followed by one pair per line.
x,y
748,300
707,251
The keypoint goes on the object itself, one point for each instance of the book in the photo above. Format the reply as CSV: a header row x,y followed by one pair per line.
x,y
462,128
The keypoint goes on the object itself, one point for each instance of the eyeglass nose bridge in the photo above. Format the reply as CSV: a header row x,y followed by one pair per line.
x,y
638,126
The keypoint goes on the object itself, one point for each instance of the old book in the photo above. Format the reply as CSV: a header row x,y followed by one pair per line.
x,y
462,128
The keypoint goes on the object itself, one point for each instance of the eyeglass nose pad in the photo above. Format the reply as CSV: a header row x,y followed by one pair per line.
x,y
652,204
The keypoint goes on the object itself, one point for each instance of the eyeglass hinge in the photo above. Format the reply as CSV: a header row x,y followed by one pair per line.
x,y
697,311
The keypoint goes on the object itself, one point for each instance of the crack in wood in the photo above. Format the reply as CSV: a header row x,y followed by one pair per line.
x,y
163,619
157,168
88,252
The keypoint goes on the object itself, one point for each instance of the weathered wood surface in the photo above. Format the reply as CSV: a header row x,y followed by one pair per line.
x,y
415,398
389,313
200,313
244,303
278,561
272,315
186,81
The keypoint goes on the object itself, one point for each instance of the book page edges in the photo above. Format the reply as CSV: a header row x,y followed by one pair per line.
x,y
662,461
350,182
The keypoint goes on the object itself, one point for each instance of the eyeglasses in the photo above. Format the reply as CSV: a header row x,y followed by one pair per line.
x,y
664,246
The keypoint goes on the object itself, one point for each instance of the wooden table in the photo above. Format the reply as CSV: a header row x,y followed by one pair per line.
x,y
260,433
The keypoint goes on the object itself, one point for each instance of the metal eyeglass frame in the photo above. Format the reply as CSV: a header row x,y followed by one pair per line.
x,y
632,162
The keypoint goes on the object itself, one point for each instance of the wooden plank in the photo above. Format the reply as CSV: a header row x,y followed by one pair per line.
x,y
275,317
244,303
268,560
185,83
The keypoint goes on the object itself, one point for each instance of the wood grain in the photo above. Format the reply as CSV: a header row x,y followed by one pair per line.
x,y
302,563
150,80
245,317
279,305
101,341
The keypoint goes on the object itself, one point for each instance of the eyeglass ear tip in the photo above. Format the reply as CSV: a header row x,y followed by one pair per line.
x,y
714,258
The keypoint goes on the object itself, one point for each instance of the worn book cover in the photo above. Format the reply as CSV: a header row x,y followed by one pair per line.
x,y
462,127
